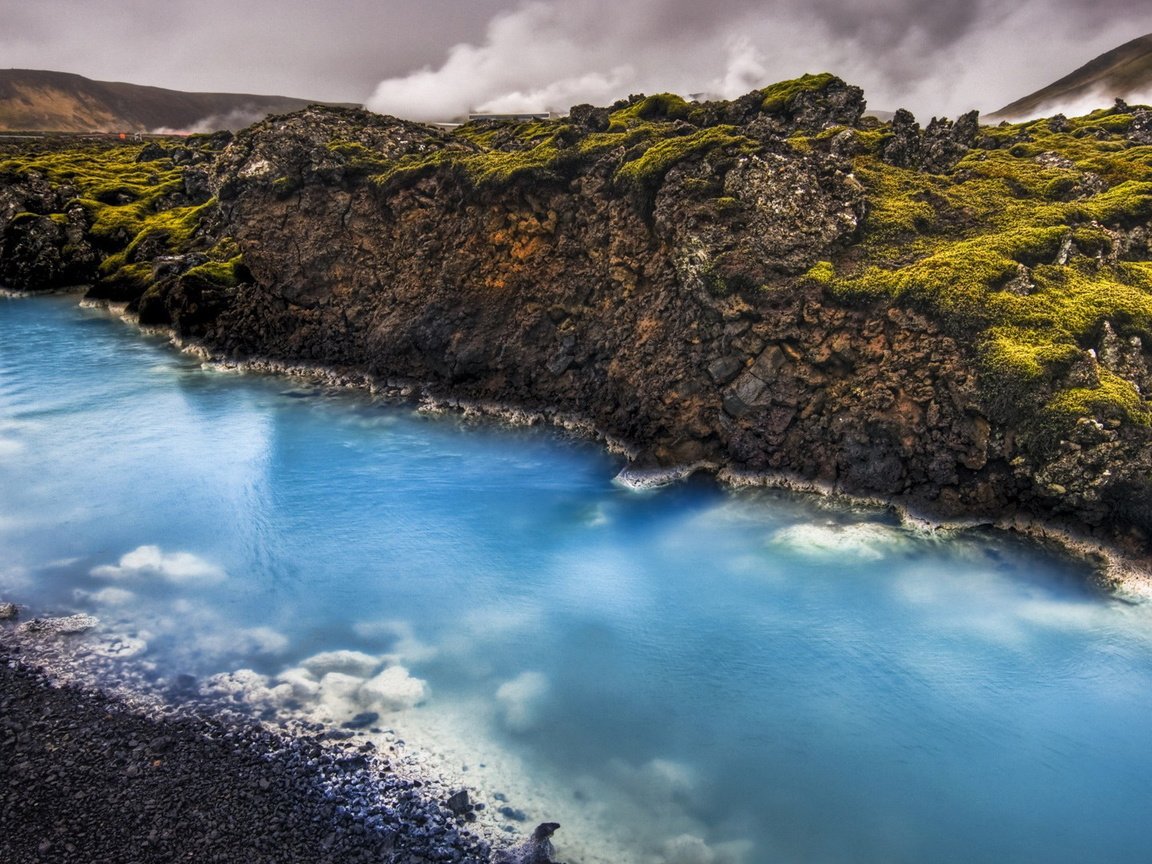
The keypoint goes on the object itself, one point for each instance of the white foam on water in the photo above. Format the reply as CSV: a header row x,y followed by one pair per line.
x,y
608,582
394,689
10,447
865,542
304,685
110,596
16,524
404,646
248,686
470,644
249,641
597,517
691,849
151,562
354,663
339,696
14,580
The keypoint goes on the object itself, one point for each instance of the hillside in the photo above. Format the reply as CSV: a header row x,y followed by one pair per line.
x,y
32,100
1124,72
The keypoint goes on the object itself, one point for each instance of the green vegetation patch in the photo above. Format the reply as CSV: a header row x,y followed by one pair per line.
x,y
1021,251
649,167
645,135
782,96
133,208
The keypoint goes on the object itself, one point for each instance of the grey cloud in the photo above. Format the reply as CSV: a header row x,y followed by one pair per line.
x,y
437,56
336,51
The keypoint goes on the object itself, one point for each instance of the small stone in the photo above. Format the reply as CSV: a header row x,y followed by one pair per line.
x,y
459,803
362,720
513,814
724,369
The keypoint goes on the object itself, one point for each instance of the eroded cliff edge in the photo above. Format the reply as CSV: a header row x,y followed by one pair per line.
x,y
954,318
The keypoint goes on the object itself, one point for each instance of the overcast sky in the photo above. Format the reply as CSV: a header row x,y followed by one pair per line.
x,y
433,59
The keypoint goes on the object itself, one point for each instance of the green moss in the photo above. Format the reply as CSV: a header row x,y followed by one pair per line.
x,y
661,106
408,169
503,166
25,216
357,158
647,135
1014,252
649,167
223,273
781,96
1113,399
1124,204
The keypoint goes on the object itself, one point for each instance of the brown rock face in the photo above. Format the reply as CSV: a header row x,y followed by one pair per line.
x,y
678,322
628,267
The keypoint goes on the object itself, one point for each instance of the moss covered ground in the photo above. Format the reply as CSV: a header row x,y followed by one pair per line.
x,y
645,135
136,209
1025,249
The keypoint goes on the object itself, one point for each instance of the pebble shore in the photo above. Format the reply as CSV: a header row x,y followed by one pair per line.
x,y
87,778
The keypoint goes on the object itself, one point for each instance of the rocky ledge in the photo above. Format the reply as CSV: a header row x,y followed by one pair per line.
x,y
953,318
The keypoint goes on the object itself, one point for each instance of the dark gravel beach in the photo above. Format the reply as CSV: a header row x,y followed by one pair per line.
x,y
86,778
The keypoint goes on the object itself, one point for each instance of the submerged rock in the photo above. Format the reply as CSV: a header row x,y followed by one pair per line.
x,y
66,625
537,849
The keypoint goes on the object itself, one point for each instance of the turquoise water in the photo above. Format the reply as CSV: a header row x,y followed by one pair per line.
x,y
683,676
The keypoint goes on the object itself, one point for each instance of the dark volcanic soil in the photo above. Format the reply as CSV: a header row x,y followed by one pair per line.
x,y
86,779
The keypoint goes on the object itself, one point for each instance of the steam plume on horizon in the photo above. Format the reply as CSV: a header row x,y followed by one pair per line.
x,y
440,58
544,55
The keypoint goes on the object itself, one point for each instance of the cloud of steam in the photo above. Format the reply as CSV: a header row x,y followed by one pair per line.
x,y
548,56
935,58
1085,103
234,120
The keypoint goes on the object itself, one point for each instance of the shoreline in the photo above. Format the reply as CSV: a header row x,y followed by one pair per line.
x,y
1114,570
150,781
454,815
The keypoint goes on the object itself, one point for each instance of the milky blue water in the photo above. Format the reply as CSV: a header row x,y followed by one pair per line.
x,y
698,675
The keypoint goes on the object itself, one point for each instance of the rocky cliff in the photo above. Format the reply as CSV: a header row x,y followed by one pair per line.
x,y
954,318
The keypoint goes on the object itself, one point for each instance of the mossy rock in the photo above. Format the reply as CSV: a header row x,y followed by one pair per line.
x,y
1020,253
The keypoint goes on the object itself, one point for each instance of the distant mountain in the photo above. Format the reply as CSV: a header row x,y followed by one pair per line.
x,y
33,100
1124,72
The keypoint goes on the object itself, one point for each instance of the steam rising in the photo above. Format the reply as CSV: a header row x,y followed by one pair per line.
x,y
935,58
1078,106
